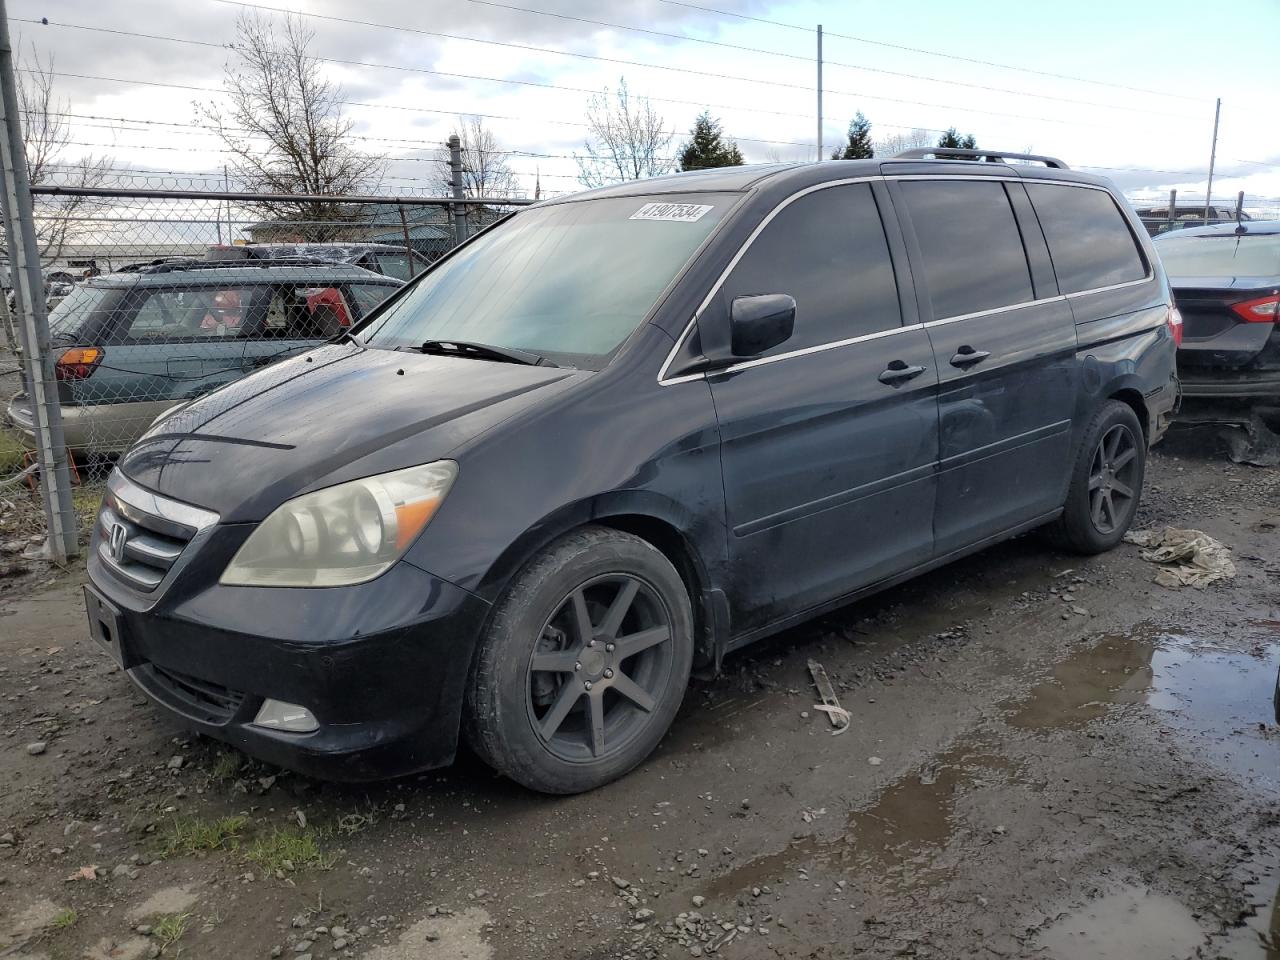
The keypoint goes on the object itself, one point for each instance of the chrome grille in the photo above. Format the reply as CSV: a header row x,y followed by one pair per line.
x,y
141,535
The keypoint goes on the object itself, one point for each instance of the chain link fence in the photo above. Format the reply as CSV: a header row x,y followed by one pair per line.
x,y
158,297
1163,212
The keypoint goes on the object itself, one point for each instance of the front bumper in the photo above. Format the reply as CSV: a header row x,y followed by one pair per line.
x,y
382,665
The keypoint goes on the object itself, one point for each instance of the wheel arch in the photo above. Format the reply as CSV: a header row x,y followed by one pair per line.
x,y
659,521
1132,397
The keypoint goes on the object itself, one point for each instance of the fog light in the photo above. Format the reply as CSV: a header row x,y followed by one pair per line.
x,y
279,715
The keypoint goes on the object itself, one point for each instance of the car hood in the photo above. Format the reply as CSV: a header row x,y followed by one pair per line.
x,y
335,413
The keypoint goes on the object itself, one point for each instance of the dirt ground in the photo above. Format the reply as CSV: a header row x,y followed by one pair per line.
x,y
1048,757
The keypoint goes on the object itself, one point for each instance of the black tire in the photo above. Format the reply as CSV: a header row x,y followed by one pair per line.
x,y
622,687
1106,482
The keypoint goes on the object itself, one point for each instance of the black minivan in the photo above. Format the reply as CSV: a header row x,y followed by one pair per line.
x,y
620,434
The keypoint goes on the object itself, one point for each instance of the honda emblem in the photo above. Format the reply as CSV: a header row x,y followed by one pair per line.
x,y
117,537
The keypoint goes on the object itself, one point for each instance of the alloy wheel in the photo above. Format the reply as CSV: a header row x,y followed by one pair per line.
x,y
1113,478
602,662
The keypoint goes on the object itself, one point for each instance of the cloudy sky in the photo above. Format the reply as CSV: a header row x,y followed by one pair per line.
x,y
1125,88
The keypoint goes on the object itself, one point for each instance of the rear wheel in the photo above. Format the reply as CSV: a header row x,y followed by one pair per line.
x,y
1106,482
584,664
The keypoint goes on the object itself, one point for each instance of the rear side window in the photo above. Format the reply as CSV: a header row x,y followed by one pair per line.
x,y
368,296
394,265
190,313
828,251
1089,240
970,244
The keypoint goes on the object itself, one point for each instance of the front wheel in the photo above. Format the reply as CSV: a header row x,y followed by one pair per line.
x,y
584,663
1106,482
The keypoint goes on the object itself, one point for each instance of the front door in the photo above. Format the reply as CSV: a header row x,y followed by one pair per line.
x,y
828,441
1005,345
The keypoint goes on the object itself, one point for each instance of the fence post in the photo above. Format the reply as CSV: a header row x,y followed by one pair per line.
x,y
455,178
1173,207
408,247
33,320
1239,205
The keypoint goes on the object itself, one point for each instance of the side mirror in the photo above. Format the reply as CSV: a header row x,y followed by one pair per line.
x,y
758,323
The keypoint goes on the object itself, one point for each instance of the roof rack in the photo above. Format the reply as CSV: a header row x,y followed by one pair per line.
x,y
956,153
256,263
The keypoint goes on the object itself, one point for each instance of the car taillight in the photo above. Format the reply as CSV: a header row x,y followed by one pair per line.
x,y
78,363
1262,310
1175,325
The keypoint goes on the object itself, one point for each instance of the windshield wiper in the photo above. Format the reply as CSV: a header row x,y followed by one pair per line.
x,y
483,351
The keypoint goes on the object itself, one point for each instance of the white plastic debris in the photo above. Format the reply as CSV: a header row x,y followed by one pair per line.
x,y
1188,558
830,705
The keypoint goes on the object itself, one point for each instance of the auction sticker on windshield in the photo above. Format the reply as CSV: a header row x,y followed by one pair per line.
x,y
678,212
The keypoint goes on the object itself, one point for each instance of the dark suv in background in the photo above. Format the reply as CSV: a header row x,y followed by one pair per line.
x,y
396,262
621,434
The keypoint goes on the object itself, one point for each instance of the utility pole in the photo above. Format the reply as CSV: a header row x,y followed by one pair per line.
x,y
819,91
455,181
33,318
1213,156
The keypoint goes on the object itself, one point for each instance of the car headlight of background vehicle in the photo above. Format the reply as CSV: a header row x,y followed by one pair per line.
x,y
344,534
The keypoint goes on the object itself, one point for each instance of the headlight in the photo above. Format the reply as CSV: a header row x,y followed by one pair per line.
x,y
345,534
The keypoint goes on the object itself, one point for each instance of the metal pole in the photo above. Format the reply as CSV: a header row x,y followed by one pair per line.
x,y
408,247
455,181
819,91
1173,207
1213,156
37,360
1239,206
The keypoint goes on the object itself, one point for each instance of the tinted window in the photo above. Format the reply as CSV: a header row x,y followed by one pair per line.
x,y
969,240
68,316
1219,255
828,251
1089,240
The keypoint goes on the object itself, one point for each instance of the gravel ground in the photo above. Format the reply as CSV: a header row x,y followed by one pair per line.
x,y
1048,756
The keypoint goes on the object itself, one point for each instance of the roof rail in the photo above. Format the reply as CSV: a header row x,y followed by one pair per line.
x,y
991,156
256,263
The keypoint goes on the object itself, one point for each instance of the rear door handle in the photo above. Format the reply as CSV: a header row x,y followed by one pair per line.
x,y
966,356
898,372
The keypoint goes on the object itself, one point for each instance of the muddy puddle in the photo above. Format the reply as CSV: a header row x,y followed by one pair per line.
x,y
1218,700
1215,701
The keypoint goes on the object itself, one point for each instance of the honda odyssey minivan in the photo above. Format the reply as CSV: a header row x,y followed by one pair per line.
x,y
617,436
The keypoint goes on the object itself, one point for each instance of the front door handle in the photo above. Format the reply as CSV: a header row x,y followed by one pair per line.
x,y
966,356
898,372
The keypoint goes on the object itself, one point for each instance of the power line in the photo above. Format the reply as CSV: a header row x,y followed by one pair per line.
x,y
807,59
634,63
384,106
927,52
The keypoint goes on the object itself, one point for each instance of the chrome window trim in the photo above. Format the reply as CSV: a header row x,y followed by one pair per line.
x,y
724,274
664,381
140,498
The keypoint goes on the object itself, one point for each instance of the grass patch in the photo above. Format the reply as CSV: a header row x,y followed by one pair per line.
x,y
192,835
168,930
288,850
227,766
63,919
12,449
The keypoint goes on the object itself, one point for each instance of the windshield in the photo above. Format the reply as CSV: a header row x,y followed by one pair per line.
x,y
1220,255
66,319
569,282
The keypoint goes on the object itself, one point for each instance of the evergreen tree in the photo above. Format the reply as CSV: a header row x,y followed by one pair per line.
x,y
859,145
953,139
708,147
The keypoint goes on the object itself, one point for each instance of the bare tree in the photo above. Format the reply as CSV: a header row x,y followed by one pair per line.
x,y
627,139
284,127
485,172
893,145
45,137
